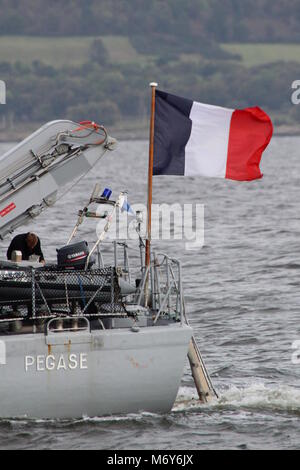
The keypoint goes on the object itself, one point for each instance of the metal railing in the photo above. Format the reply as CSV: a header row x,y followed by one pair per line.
x,y
165,290
163,276
74,325
162,280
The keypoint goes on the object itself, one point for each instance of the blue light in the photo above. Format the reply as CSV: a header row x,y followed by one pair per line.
x,y
106,194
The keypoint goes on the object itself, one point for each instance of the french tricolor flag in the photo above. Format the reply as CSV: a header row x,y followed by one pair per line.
x,y
198,139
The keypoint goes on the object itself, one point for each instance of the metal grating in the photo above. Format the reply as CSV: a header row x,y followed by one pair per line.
x,y
69,291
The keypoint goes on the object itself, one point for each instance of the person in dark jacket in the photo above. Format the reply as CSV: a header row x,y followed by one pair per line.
x,y
29,244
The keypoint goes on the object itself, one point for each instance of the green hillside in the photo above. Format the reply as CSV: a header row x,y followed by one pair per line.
x,y
258,54
75,51
63,51
94,59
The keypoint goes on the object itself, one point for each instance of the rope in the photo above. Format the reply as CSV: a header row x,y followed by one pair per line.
x,y
93,128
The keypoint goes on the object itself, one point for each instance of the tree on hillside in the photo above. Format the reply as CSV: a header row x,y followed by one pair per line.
x,y
98,52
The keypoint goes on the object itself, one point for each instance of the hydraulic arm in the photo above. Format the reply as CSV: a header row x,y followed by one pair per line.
x,y
32,173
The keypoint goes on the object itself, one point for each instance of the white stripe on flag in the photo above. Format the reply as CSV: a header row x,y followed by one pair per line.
x,y
207,149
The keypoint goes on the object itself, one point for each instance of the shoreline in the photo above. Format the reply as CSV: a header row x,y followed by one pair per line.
x,y
120,133
137,132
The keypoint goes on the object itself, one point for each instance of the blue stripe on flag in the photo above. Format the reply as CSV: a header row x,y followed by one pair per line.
x,y
173,129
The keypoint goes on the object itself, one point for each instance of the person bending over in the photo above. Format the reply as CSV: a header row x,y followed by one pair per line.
x,y
29,244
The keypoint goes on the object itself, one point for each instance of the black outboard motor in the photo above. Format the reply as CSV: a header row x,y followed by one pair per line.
x,y
74,256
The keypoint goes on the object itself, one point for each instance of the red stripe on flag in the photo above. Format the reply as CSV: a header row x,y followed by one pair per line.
x,y
250,133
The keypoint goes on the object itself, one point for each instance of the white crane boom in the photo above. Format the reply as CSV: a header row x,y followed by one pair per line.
x,y
32,173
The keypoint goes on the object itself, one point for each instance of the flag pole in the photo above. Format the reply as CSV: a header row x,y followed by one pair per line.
x,y
150,177
200,375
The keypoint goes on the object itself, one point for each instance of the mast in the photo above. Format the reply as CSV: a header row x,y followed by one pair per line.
x,y
150,172
153,86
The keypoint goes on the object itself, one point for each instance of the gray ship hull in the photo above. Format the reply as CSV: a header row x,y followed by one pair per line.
x,y
75,374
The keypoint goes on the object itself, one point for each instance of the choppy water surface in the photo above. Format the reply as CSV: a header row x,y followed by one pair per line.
x,y
243,296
